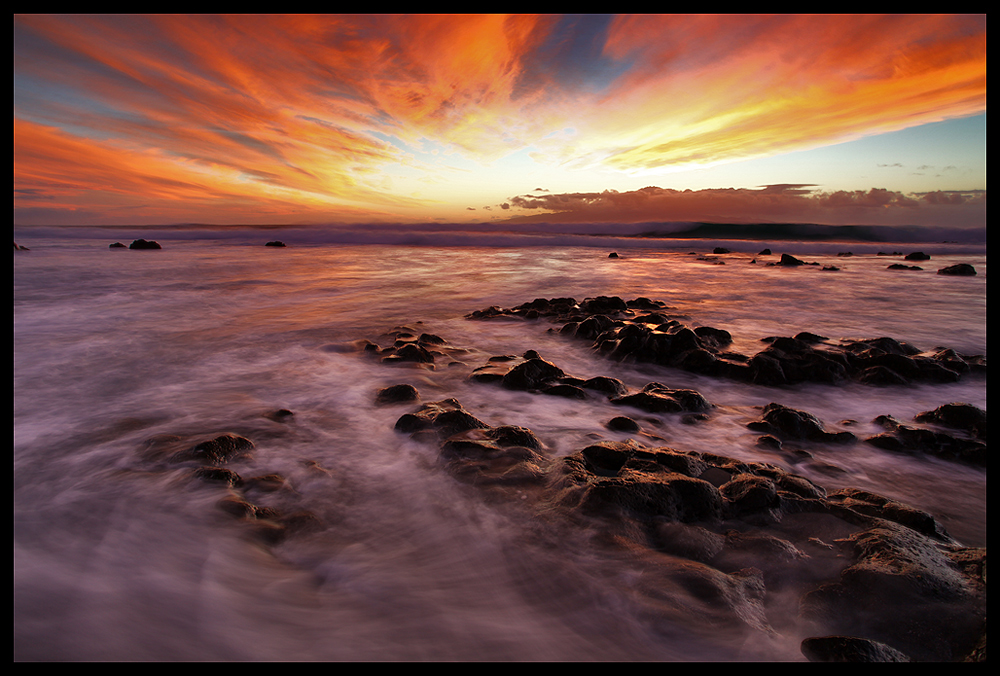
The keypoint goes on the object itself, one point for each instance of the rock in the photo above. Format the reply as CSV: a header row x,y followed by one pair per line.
x,y
902,438
900,266
219,475
764,252
657,398
531,375
396,394
849,649
917,256
791,424
446,417
144,244
613,255
721,250
961,416
960,269
276,243
789,260
622,423
117,245
219,450
904,589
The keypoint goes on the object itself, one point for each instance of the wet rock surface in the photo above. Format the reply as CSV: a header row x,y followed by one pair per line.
x,y
749,534
642,330
761,550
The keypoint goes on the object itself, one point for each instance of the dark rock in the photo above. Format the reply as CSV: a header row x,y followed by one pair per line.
x,y
902,438
411,352
721,250
788,423
657,398
787,259
531,375
622,423
219,475
764,252
144,244
849,649
395,394
931,608
282,415
564,390
749,493
276,243
218,450
900,266
645,495
961,416
960,269
606,385
117,245
612,255
917,256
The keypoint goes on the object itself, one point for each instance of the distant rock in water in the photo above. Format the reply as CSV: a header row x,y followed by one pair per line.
x,y
144,244
721,250
961,269
275,243
117,245
17,247
765,252
901,266
917,256
787,259
613,254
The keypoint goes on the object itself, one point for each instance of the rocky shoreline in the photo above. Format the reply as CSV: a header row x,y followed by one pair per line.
x,y
884,580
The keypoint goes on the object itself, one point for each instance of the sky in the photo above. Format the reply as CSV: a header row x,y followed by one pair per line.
x,y
484,118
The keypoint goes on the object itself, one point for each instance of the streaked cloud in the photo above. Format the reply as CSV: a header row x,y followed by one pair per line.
x,y
325,117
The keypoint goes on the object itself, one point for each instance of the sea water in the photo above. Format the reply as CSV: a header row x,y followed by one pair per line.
x,y
118,556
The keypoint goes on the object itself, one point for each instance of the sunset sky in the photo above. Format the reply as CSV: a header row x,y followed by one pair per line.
x,y
297,119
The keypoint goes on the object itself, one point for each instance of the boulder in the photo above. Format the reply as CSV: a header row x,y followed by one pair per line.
x,y
960,269
144,244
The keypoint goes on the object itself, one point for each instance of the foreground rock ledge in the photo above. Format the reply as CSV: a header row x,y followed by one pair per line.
x,y
879,580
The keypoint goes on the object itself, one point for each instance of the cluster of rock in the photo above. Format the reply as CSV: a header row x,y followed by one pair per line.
x,y
890,572
640,330
211,461
137,244
884,574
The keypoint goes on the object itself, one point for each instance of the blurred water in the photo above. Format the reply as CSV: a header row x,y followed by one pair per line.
x,y
118,557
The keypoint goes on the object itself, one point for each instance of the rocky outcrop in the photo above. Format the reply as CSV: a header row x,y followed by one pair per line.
x,y
144,244
959,269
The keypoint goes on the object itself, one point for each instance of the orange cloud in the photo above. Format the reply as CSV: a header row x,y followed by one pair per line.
x,y
310,112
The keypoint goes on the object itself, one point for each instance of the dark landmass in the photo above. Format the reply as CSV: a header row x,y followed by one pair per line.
x,y
808,232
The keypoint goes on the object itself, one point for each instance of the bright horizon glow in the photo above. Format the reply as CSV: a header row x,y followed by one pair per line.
x,y
298,119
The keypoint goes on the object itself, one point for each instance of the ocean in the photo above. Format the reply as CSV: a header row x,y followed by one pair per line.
x,y
122,357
